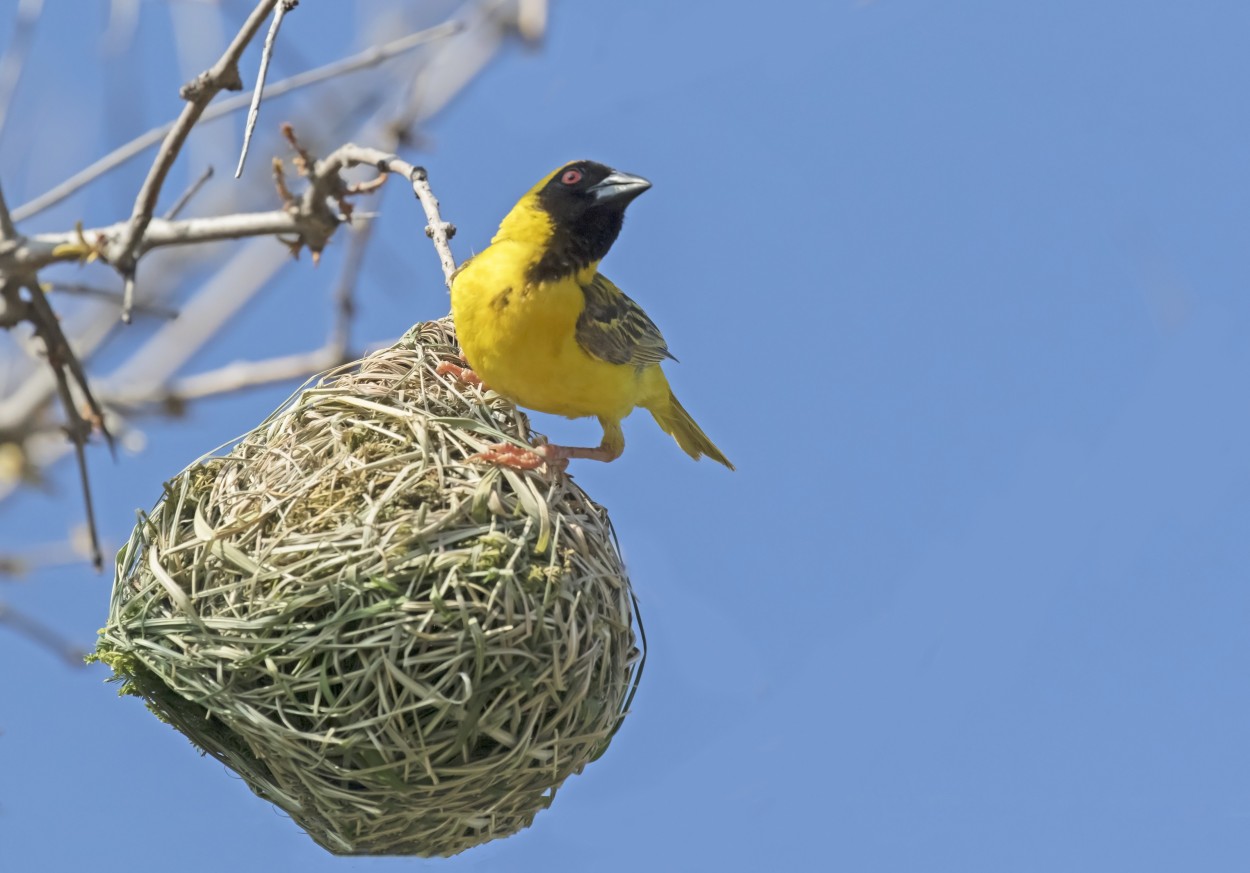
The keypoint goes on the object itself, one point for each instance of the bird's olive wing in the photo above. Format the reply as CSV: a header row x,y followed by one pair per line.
x,y
614,328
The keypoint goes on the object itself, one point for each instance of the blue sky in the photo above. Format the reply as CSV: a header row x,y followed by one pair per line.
x,y
961,288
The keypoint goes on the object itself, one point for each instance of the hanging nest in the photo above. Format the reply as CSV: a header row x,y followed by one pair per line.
x,y
406,651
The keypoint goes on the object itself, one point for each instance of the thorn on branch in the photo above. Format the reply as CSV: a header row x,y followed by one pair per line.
x,y
294,246
128,294
91,418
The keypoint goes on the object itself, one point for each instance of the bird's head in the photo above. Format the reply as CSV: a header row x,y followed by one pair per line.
x,y
586,191
573,214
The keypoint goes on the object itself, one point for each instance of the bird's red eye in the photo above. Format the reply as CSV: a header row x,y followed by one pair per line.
x,y
571,177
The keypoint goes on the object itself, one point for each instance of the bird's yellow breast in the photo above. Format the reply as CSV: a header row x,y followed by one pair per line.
x,y
520,338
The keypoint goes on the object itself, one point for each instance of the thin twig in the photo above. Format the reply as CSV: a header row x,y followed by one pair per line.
x,y
128,294
43,635
62,553
61,355
439,231
30,412
367,187
78,429
253,111
232,379
124,153
62,358
182,201
355,155
223,75
247,374
239,278
251,374
339,339
241,375
279,184
81,289
84,479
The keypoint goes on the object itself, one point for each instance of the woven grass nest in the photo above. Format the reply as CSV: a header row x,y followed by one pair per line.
x,y
406,651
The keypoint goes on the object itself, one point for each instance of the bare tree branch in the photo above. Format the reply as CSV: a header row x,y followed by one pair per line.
x,y
31,430
149,370
42,635
13,309
242,375
64,552
253,111
81,289
251,374
49,248
128,151
437,230
62,358
246,374
345,290
223,75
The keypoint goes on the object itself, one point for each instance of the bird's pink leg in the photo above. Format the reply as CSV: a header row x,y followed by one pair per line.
x,y
557,457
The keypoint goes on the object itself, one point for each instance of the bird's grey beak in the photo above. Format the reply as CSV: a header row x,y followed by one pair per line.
x,y
618,187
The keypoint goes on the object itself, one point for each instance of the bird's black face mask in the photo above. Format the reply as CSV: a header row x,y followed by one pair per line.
x,y
586,202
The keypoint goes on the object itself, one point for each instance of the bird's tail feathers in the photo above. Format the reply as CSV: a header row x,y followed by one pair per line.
x,y
673,419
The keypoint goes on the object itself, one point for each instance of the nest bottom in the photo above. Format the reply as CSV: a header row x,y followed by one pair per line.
x,y
406,651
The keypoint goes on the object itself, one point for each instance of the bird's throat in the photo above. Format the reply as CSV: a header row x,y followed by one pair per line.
x,y
572,248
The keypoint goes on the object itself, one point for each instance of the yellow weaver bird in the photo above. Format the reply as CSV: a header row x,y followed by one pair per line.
x,y
539,324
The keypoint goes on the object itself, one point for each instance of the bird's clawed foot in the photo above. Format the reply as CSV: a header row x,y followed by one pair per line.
x,y
521,457
464,374
531,458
